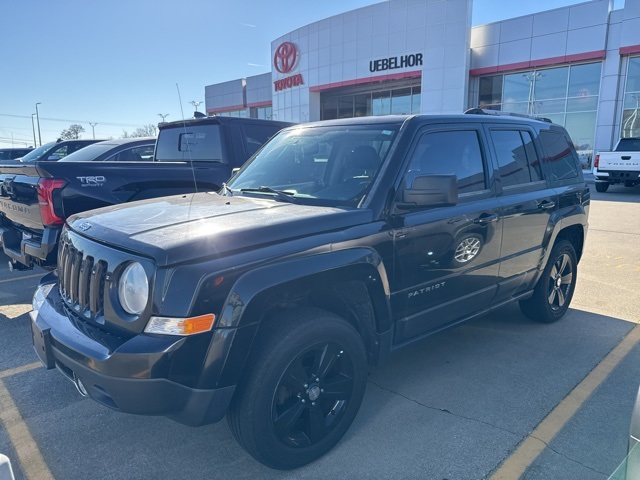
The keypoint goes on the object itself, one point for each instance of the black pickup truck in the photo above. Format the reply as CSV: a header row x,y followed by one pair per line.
x,y
36,198
339,243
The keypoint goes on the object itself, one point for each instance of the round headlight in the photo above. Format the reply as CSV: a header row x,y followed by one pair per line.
x,y
133,289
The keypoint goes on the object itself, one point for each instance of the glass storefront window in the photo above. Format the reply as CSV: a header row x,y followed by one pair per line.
x,y
398,101
381,103
490,90
345,107
516,88
584,80
551,83
416,99
362,105
631,112
401,101
566,95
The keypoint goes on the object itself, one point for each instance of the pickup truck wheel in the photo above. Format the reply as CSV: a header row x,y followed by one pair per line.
x,y
554,290
602,186
305,385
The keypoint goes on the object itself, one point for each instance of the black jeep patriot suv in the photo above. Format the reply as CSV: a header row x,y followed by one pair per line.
x,y
336,244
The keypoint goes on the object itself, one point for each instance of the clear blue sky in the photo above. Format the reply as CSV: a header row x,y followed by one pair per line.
x,y
116,63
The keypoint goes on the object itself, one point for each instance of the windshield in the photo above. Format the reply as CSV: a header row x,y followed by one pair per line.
x,y
34,155
330,165
197,143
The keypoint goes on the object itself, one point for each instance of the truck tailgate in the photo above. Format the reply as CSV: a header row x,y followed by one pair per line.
x,y
19,196
626,161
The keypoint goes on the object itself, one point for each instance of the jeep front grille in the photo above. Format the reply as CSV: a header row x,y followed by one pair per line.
x,y
82,281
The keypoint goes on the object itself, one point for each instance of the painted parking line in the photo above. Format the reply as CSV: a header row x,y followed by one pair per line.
x,y
29,455
15,279
523,457
17,370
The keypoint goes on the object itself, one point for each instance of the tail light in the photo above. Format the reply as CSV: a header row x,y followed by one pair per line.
x,y
597,161
46,187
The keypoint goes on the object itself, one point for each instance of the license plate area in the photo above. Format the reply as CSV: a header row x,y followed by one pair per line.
x,y
41,336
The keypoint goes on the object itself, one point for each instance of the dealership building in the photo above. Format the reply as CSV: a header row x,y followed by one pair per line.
x,y
578,66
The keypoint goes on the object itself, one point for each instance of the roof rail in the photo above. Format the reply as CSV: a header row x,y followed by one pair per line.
x,y
482,111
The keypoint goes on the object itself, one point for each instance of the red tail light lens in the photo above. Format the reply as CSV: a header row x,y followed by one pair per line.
x,y
46,187
597,161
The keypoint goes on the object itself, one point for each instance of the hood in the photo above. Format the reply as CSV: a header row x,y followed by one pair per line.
x,y
186,227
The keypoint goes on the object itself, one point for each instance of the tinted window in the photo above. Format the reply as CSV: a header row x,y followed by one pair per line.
x,y
535,169
197,143
450,153
88,153
559,155
257,135
513,149
142,153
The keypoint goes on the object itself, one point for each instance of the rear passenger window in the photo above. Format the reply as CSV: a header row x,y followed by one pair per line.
x,y
456,153
559,155
517,160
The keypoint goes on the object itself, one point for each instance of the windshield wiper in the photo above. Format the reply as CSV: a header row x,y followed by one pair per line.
x,y
227,190
282,195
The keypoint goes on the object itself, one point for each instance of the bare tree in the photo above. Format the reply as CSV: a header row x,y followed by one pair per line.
x,y
72,133
149,130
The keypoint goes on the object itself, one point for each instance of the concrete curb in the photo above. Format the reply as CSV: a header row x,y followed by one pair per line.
x,y
6,473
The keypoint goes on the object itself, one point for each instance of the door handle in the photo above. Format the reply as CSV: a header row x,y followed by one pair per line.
x,y
485,219
546,205
626,157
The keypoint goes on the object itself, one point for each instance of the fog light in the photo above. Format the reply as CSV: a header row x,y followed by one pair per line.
x,y
41,296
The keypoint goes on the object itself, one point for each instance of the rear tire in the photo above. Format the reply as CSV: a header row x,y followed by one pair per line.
x,y
305,383
554,290
602,186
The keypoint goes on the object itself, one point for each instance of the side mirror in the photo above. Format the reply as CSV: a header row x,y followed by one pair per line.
x,y
53,158
430,191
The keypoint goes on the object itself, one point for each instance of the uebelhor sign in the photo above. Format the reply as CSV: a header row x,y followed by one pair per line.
x,y
391,63
288,82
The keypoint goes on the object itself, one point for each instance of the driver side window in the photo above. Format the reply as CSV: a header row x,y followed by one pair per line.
x,y
455,152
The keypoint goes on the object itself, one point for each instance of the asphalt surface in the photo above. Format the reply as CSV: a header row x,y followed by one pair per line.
x,y
453,406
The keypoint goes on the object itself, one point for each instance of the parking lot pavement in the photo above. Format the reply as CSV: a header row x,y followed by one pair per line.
x,y
452,406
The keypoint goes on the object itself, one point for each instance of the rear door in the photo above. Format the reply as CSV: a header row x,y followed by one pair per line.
x,y
528,204
446,258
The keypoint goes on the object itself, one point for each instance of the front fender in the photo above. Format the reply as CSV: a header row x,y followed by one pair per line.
x,y
246,299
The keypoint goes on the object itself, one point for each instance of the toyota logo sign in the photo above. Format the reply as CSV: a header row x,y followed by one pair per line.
x,y
285,57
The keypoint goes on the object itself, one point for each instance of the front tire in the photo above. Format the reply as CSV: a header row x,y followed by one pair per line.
x,y
554,290
602,186
306,381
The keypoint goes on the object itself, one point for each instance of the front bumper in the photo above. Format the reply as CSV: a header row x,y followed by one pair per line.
x,y
128,375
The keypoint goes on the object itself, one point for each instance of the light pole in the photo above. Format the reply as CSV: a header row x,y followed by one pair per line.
x,y
33,127
38,119
531,78
163,116
93,129
195,104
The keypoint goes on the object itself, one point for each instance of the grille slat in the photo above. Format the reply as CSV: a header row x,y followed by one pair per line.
x,y
83,286
82,280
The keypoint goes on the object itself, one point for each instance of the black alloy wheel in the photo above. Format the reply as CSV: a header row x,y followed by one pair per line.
x,y
554,290
304,385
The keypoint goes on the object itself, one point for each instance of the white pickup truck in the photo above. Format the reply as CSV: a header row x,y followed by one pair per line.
x,y
620,166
